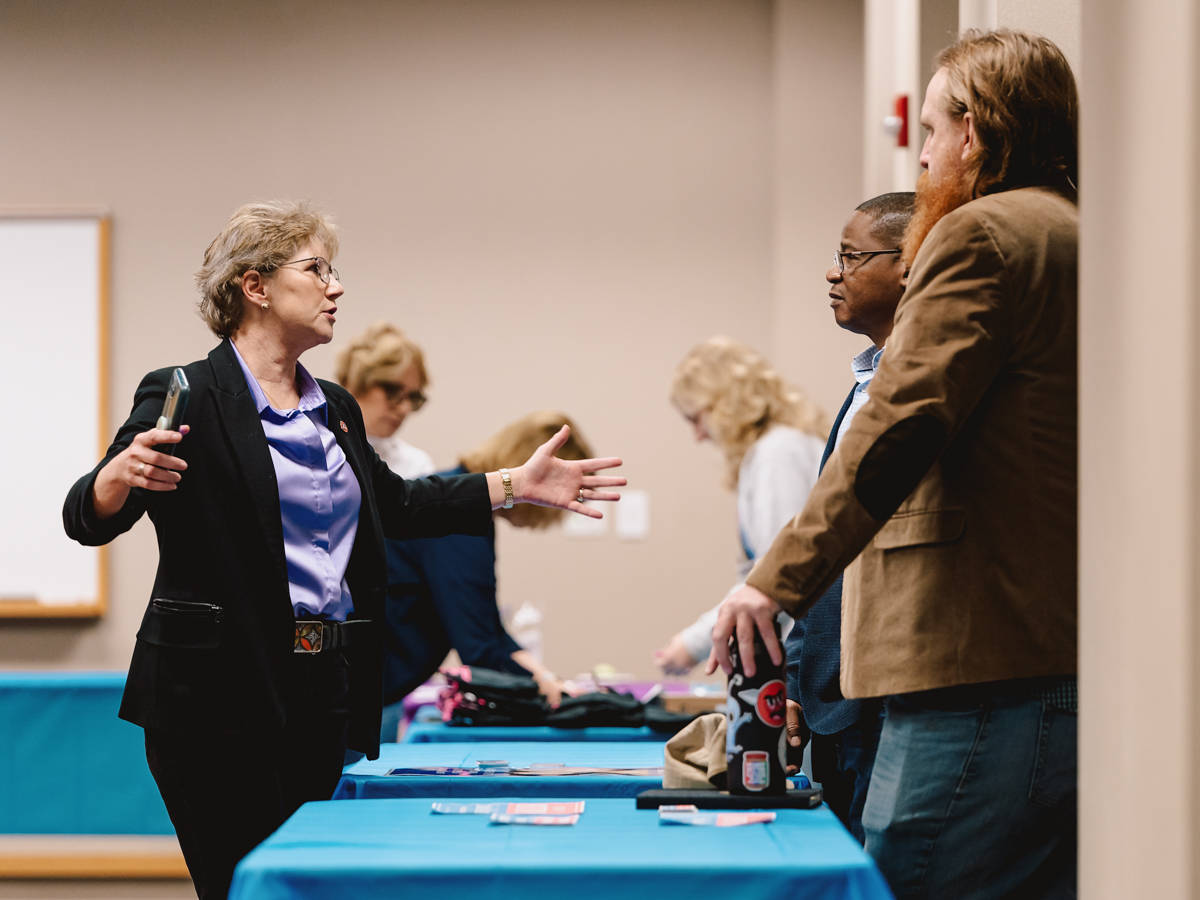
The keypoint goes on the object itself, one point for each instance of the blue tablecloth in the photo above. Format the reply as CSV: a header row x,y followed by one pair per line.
x,y
70,765
368,779
390,848
438,732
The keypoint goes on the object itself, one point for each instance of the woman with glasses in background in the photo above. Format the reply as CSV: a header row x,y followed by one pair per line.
x,y
260,654
385,371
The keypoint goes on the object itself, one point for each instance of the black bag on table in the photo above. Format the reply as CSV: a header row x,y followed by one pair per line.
x,y
477,696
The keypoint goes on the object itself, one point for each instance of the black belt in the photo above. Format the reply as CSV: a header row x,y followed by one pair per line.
x,y
320,636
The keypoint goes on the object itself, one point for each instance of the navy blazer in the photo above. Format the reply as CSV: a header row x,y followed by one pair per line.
x,y
442,594
217,656
814,652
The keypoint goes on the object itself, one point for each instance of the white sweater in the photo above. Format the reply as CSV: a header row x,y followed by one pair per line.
x,y
402,457
774,481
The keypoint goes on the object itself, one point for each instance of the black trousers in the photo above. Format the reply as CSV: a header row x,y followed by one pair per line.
x,y
842,765
226,793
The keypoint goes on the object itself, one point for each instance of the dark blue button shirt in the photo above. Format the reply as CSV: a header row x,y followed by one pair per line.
x,y
442,595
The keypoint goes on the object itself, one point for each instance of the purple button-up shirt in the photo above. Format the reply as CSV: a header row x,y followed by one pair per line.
x,y
319,498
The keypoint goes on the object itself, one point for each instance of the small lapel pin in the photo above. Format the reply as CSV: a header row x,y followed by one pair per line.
x,y
344,428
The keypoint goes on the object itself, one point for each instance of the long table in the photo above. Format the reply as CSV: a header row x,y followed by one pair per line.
x,y
73,767
388,848
77,798
438,732
368,779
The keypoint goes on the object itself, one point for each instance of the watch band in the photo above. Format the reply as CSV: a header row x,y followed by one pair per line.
x,y
508,494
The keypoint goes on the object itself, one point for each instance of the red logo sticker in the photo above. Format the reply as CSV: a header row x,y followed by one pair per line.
x,y
771,704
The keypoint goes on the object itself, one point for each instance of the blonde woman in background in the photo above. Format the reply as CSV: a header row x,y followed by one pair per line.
x,y
772,437
442,591
385,371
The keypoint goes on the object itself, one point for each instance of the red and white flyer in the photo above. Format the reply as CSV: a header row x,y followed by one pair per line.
x,y
545,809
720,820
504,819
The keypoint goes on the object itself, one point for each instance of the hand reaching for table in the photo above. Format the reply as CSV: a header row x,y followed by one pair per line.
x,y
743,611
675,658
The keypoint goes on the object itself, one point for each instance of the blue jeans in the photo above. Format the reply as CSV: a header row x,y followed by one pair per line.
x,y
973,795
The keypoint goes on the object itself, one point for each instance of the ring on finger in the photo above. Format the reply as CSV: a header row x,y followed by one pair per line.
x,y
142,470
581,495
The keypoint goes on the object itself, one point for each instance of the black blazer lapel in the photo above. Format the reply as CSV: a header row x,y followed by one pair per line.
x,y
366,604
832,442
339,417
248,443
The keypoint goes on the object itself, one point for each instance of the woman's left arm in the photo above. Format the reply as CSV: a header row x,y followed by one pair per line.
x,y
459,504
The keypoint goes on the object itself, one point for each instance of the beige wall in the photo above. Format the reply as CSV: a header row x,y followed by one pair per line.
x,y
818,166
902,39
1059,20
557,200
1140,452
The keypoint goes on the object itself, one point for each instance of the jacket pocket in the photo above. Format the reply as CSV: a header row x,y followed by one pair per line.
x,y
924,526
186,624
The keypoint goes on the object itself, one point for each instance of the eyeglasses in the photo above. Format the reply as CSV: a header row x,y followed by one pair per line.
x,y
397,395
324,269
840,257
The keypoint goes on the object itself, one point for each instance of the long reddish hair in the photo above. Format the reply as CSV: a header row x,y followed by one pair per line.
x,y
1021,94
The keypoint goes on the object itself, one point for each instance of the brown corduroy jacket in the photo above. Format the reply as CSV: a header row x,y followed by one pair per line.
x,y
951,500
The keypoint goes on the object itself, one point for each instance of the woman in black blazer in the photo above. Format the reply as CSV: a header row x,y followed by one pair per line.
x,y
271,517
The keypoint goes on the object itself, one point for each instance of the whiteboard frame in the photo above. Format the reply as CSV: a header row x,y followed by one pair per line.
x,y
35,609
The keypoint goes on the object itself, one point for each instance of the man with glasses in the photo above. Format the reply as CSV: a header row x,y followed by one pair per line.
x,y
867,280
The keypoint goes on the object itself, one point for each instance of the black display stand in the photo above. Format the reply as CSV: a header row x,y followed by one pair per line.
x,y
806,798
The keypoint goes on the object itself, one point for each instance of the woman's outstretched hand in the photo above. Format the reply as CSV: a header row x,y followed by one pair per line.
x,y
548,481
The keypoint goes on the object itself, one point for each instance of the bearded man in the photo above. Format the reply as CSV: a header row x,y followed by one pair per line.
x,y
950,500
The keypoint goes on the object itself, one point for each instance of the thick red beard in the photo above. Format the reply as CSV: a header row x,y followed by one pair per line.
x,y
934,200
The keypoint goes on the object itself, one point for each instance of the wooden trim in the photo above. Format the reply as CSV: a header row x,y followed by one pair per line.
x,y
105,364
36,609
693,704
90,856
103,866
55,212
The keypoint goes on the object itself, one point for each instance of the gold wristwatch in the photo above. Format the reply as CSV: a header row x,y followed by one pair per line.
x,y
508,494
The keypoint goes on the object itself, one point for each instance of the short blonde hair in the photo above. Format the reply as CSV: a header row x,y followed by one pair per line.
x,y
381,353
744,397
1021,94
513,444
259,237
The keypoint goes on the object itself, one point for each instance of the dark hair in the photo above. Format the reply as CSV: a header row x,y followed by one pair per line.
x,y
1020,92
892,213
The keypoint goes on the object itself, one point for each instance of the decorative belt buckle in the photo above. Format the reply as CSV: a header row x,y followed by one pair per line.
x,y
308,637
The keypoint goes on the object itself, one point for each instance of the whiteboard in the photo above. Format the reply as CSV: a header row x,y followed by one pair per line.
x,y
53,391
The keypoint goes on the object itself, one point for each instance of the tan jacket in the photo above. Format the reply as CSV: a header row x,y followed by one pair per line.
x,y
951,499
